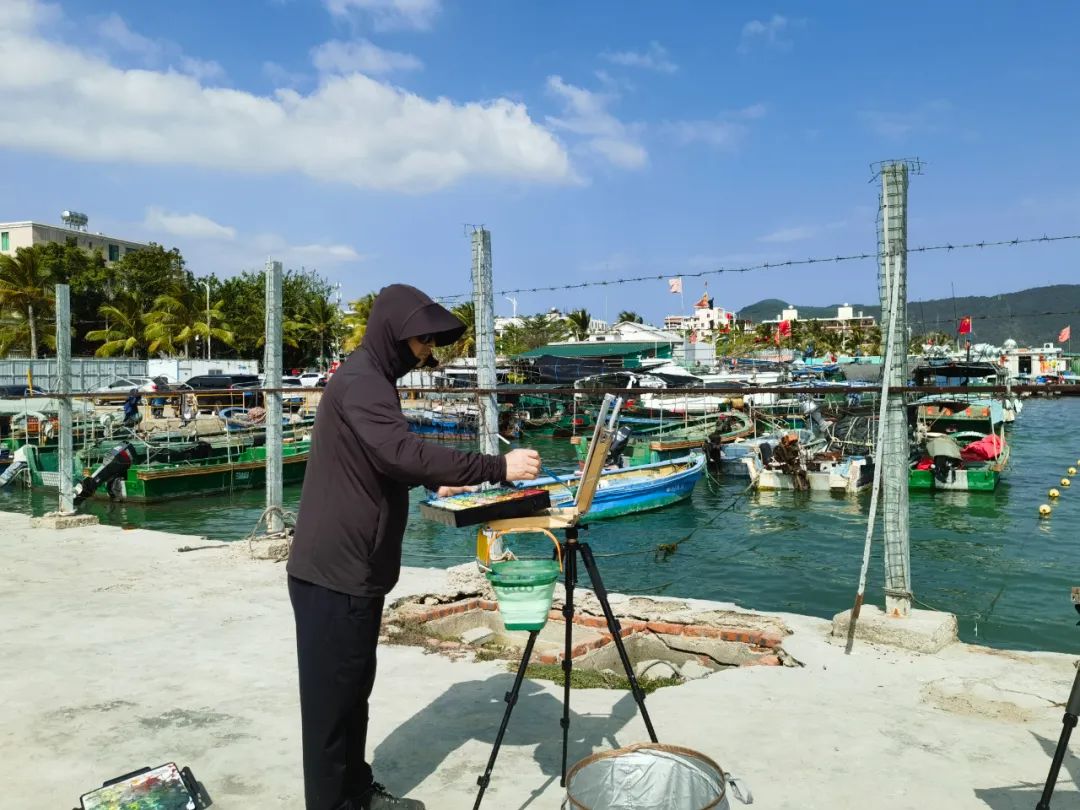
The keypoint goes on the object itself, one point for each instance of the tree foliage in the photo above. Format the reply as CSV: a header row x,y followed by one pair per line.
x,y
149,303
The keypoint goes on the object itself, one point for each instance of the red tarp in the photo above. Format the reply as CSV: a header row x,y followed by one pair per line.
x,y
986,448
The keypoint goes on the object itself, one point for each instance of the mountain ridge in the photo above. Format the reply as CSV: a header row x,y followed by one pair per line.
x,y
1032,316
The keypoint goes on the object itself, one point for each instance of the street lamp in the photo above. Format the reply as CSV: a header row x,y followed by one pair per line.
x,y
207,285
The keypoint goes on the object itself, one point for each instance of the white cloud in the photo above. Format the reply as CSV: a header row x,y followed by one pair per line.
x,y
796,234
931,117
351,129
388,15
769,32
117,36
655,58
193,226
800,233
585,113
281,76
26,15
726,131
115,31
202,69
361,56
324,254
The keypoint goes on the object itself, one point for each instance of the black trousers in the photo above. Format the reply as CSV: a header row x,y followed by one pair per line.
x,y
336,637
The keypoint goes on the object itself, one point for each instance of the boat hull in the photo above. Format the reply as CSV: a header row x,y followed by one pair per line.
x,y
636,489
981,480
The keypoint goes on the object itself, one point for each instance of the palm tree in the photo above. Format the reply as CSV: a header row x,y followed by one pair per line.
x,y
579,320
629,316
126,328
24,289
180,315
320,324
466,344
356,320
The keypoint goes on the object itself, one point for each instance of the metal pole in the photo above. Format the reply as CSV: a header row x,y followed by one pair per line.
x,y
63,370
484,317
272,400
894,475
207,285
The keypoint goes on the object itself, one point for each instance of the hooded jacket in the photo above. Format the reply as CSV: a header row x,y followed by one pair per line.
x,y
355,499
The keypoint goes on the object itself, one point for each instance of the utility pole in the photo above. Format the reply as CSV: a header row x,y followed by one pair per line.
x,y
892,244
484,321
208,327
63,371
272,400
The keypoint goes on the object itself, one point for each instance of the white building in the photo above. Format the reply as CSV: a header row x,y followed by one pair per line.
x,y
846,319
15,235
631,332
1023,361
704,322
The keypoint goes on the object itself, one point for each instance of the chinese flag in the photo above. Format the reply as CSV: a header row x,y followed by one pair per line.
x,y
784,329
1066,333
965,326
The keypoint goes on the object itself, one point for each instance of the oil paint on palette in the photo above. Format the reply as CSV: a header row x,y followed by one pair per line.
x,y
471,508
159,789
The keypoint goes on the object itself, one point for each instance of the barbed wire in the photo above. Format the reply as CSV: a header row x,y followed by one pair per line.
x,y
776,265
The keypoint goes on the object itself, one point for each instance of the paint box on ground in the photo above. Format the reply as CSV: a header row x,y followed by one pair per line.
x,y
165,787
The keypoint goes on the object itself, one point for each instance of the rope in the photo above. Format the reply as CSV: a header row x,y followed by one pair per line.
x,y
288,523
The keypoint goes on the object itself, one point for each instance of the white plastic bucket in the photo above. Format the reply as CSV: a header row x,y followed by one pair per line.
x,y
651,776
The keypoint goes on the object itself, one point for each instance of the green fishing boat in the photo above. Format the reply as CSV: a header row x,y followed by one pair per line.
x,y
209,472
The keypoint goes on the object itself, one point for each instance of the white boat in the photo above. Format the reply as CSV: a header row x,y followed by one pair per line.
x,y
847,475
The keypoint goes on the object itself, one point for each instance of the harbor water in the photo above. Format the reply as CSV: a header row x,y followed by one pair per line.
x,y
988,558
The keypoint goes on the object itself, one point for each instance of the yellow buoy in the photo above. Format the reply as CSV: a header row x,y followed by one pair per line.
x,y
1053,492
1065,482
1072,470
1044,510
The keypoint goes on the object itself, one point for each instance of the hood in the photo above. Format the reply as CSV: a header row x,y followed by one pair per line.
x,y
399,313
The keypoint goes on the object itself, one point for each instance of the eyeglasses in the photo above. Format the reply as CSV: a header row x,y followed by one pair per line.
x,y
426,338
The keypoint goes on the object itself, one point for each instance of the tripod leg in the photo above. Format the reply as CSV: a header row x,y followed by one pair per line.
x,y
616,634
510,698
1072,709
570,570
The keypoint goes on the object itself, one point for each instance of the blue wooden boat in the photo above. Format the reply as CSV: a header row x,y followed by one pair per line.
x,y
633,489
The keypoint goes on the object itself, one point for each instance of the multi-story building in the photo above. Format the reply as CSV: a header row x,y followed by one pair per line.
x,y
15,235
845,320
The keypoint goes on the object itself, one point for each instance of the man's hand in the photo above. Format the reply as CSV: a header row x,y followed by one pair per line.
x,y
522,465
446,492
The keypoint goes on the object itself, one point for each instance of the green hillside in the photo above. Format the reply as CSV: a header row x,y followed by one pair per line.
x,y
1017,315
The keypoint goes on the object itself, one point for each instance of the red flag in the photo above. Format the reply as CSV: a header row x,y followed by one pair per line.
x,y
965,326
784,330
1066,333
693,336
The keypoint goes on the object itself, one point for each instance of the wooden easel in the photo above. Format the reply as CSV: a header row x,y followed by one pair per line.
x,y
567,519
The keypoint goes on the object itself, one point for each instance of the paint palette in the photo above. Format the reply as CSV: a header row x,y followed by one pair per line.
x,y
483,506
161,788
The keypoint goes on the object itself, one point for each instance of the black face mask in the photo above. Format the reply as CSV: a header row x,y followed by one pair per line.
x,y
408,361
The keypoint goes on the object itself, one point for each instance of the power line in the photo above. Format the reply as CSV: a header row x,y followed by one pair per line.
x,y
946,247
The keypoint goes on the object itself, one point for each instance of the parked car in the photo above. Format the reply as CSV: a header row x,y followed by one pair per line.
x,y
235,390
312,379
21,390
119,388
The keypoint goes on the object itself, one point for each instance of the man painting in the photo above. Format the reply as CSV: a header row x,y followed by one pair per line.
x,y
346,555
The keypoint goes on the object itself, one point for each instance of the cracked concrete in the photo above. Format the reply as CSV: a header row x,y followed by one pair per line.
x,y
192,659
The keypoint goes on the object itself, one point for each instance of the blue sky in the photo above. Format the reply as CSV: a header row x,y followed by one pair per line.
x,y
595,140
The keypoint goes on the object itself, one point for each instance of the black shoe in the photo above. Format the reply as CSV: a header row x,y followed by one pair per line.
x,y
377,798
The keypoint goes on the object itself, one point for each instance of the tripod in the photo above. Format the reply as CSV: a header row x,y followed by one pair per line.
x,y
1072,710
571,551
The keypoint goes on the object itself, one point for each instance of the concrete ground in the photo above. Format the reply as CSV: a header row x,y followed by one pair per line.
x,y
118,651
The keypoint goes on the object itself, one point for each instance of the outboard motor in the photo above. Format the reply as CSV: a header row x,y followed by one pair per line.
x,y
112,468
946,457
18,464
813,413
618,443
